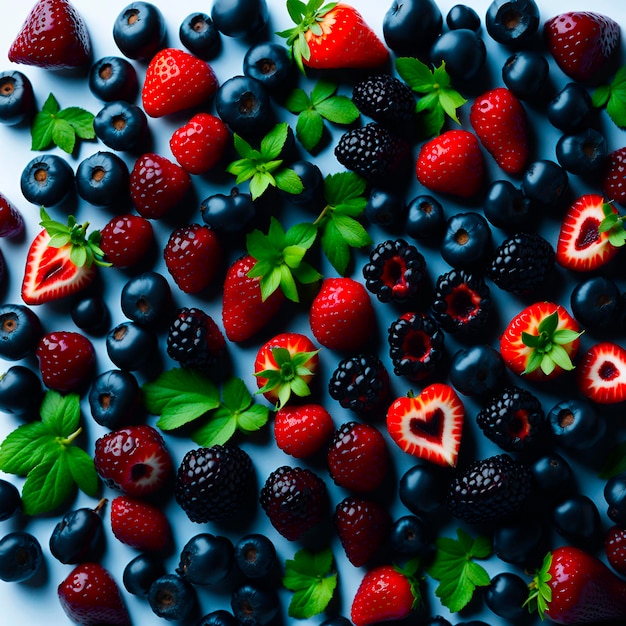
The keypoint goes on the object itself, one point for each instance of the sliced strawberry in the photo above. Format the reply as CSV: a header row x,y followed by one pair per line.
x,y
430,425
139,524
602,373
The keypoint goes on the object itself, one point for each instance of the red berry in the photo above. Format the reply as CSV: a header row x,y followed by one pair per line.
x,y
614,176
126,239
11,220
615,548
139,524
302,430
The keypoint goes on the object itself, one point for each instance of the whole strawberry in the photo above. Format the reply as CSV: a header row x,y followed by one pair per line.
x,y
301,430
53,36
615,548
11,220
139,524
126,239
614,176
90,596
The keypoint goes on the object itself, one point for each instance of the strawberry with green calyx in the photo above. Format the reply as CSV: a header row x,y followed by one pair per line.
x,y
61,260
332,36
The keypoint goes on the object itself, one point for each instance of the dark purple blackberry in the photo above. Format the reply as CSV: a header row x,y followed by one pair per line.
x,y
489,490
360,383
462,301
416,345
385,99
522,263
514,420
194,339
214,483
395,271
372,151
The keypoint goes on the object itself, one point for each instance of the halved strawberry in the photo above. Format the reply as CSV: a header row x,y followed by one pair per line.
x,y
428,426
602,373
583,244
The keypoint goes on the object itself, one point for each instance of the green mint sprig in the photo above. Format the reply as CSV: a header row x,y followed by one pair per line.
x,y
312,109
312,578
60,127
263,167
45,453
613,97
438,98
455,567
613,224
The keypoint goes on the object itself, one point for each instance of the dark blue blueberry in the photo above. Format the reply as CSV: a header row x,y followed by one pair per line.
x,y
422,489
506,596
90,313
146,298
477,370
577,519
139,30
425,218
240,18
411,536
596,302
520,542
206,559
47,180
228,213
525,73
102,179
254,605
466,241
512,22
384,207
115,399
270,64
571,108
20,331
17,100
615,495
552,476
10,500
131,346
583,153
410,27
218,618
437,620
505,206
121,125
462,16
113,78
255,555
545,182
576,424
336,621
172,597
141,572
20,557
20,392
463,51
78,537
200,36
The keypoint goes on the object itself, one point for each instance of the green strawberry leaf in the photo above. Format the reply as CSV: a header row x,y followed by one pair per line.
x,y
613,97
540,591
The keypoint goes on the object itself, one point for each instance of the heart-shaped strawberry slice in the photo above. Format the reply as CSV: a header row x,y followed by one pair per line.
x,y
428,426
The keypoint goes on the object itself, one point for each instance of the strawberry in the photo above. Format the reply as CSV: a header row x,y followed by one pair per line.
x,y
157,185
332,36
582,244
499,120
138,524
61,261
429,425
199,144
53,36
193,256
341,315
614,176
284,365
385,593
90,596
66,360
11,220
581,42
615,548
126,239
451,163
244,312
176,80
133,460
574,587
602,373
302,430
540,342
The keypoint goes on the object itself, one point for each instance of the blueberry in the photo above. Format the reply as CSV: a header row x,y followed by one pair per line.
x,y
121,125
17,100
113,78
384,207
140,572
20,331
139,30
552,475
422,489
10,500
575,424
615,495
254,605
90,313
462,16
437,620
79,536
520,542
47,180
200,36
20,556
102,179
545,182
218,618
336,621
577,519
506,206
115,399
463,51
466,241
255,555
410,27
506,596
172,597
582,153
571,108
20,392
131,346
228,213
525,73
411,536
270,64
206,559
425,218
512,22
596,303
240,18
146,298
477,370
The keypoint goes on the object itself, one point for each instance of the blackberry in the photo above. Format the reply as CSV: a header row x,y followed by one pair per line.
x,y
295,499
214,483
416,345
462,301
522,263
372,151
395,271
360,383
514,420
385,99
489,490
194,339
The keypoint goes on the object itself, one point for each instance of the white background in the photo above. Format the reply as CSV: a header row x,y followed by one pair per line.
x,y
37,603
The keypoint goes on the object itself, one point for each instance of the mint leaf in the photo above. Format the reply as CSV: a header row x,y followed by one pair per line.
x,y
322,90
309,129
82,469
288,181
26,447
415,74
47,486
615,462
335,248
273,143
339,110
343,186
613,96
297,101
61,414
80,120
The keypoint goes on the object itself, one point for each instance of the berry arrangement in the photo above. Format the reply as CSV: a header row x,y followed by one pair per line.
x,y
313,313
